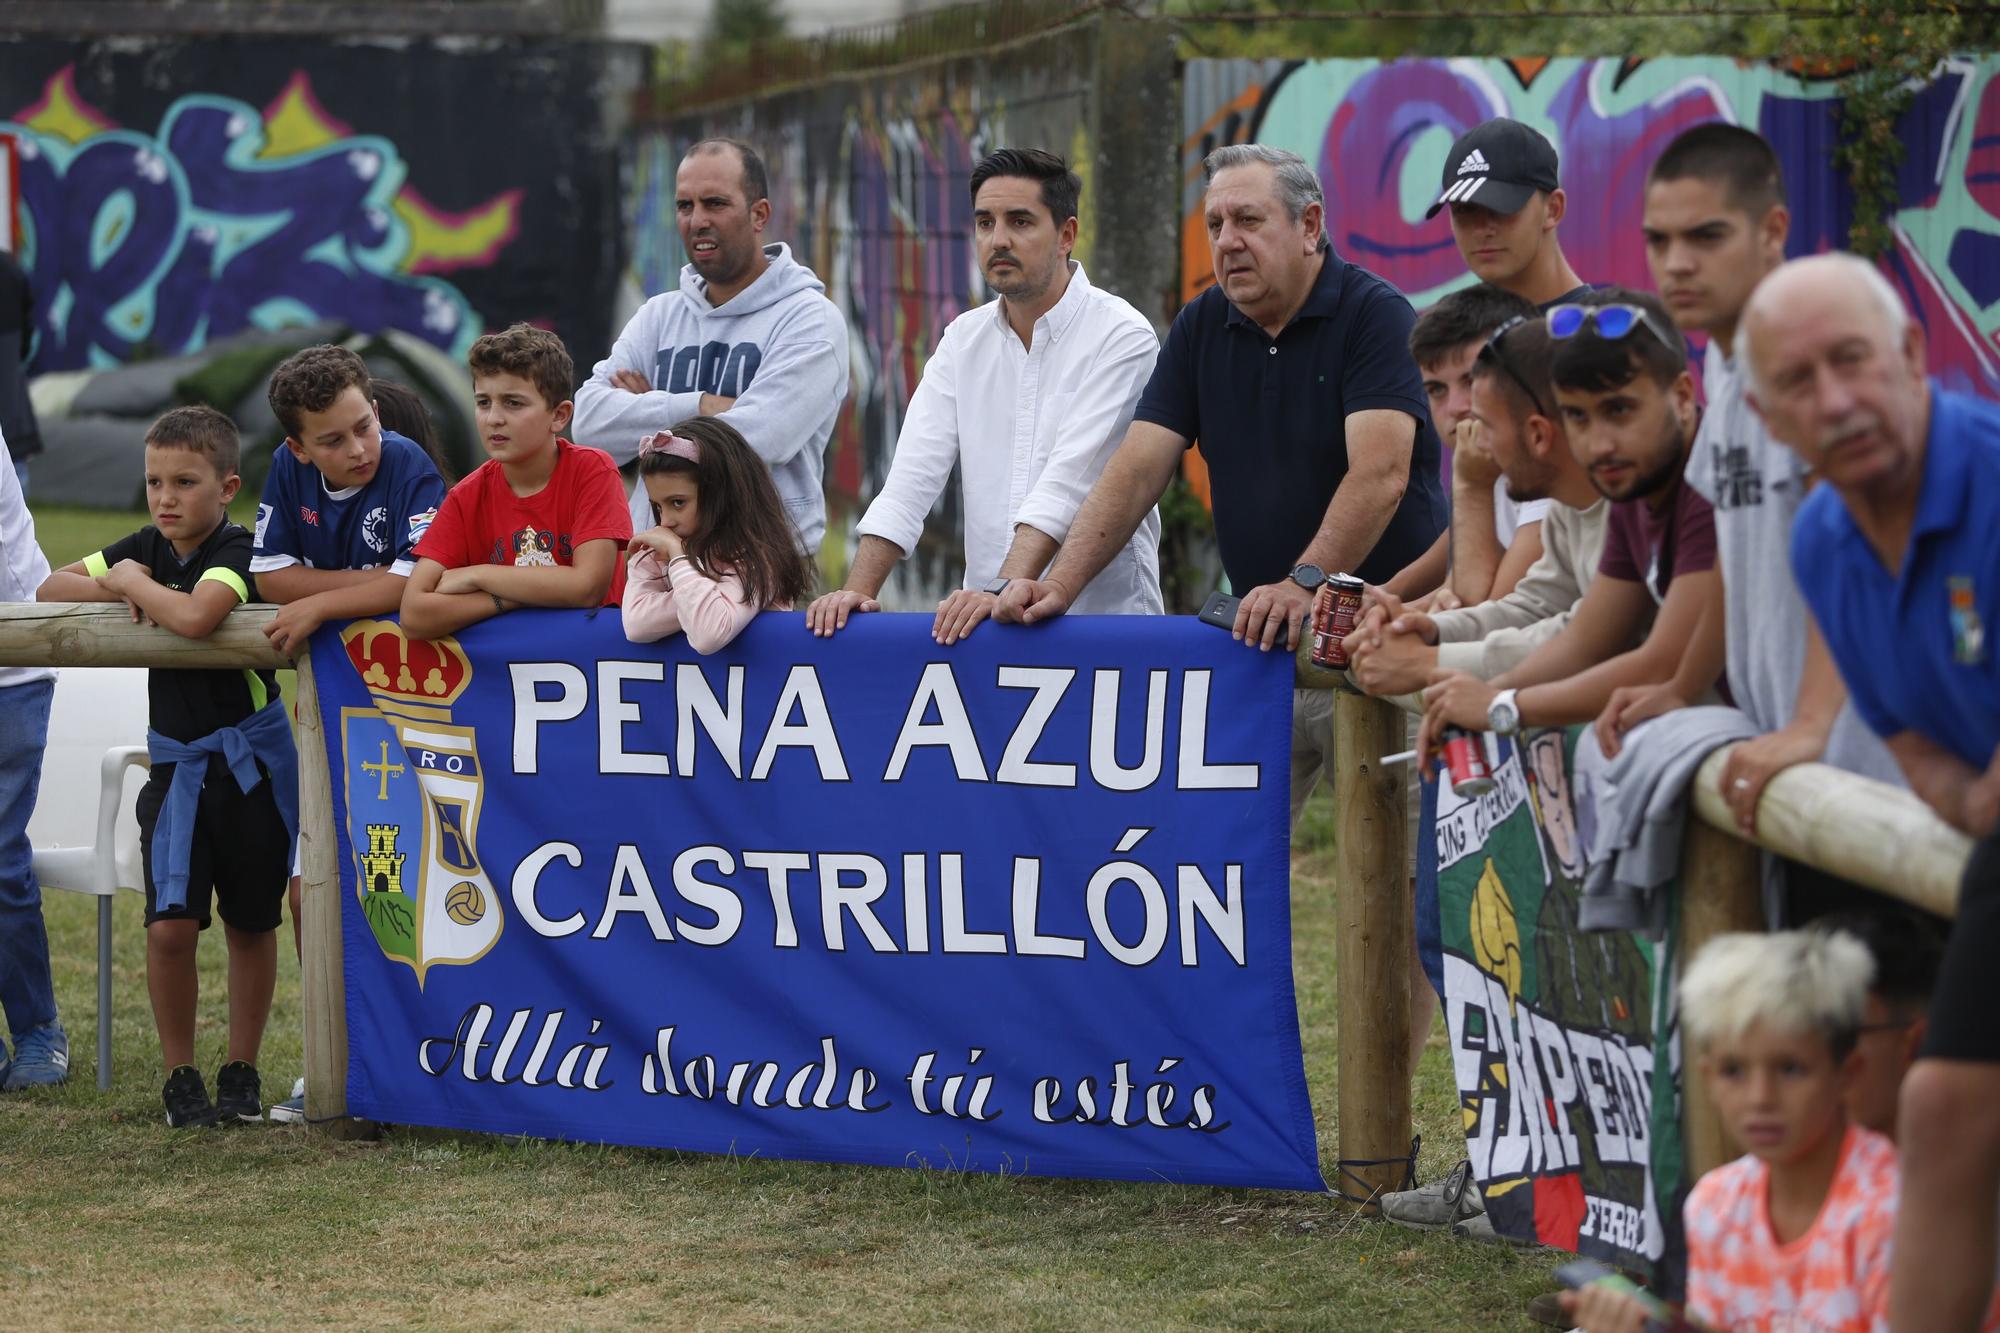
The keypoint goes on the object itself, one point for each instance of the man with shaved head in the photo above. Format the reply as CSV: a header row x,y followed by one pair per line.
x,y
1896,554
748,335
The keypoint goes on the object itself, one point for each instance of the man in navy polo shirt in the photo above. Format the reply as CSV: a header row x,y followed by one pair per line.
x,y
1898,559
1293,377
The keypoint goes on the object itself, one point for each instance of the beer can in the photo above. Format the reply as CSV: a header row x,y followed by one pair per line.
x,y
1465,762
1335,613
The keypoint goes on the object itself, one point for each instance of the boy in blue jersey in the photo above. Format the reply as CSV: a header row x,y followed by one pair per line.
x,y
345,503
219,812
343,508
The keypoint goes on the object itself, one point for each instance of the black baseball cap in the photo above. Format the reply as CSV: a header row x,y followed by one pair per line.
x,y
1498,165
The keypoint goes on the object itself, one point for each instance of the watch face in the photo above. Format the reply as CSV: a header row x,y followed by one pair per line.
x,y
1308,576
997,586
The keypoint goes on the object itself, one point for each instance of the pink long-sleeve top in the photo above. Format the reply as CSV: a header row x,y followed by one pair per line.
x,y
710,610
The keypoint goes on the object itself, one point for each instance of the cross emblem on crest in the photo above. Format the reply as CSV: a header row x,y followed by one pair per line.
x,y
383,770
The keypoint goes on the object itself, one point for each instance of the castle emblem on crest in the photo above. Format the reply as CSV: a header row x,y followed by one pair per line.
x,y
414,792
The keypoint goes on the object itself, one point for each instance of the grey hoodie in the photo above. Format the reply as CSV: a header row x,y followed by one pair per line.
x,y
779,347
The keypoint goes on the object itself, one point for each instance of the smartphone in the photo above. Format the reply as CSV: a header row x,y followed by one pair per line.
x,y
1220,611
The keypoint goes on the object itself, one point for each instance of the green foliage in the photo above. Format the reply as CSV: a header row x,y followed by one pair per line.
x,y
1887,53
1189,569
737,28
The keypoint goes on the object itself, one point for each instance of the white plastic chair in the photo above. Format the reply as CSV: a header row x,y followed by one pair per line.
x,y
83,796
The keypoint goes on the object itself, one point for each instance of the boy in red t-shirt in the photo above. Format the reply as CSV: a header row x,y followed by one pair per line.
x,y
543,522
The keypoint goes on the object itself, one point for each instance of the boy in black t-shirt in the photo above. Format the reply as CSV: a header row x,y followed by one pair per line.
x,y
204,824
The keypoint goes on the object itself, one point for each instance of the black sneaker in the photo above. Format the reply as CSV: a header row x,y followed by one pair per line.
x,y
186,1096
239,1094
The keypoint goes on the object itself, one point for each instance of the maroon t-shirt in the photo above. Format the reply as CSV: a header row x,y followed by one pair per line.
x,y
1649,545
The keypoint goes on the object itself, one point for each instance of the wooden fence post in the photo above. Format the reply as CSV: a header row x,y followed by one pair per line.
x,y
1376,922
325,992
1721,891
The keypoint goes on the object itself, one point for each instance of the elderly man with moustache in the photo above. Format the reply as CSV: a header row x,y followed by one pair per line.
x,y
1896,555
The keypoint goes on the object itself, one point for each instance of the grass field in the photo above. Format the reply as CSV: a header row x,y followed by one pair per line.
x,y
110,1220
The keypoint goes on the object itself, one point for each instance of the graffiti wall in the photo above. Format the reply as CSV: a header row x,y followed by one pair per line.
x,y
176,191
869,185
1379,131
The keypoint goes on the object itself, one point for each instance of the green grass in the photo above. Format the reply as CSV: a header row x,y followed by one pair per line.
x,y
67,535
112,1220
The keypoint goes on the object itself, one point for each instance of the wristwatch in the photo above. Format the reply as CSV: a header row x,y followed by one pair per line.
x,y
1503,715
996,587
1308,577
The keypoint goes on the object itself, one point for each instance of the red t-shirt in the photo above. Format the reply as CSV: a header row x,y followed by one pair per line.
x,y
1654,546
482,521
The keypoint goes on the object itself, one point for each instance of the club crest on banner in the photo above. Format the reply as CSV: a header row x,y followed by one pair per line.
x,y
414,791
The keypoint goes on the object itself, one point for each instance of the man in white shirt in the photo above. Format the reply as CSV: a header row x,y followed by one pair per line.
x,y
1030,396
40,1053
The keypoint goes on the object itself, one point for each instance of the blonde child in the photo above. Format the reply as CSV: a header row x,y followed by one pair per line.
x,y
722,549
1795,1233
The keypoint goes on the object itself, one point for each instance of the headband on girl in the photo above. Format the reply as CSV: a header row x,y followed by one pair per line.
x,y
666,442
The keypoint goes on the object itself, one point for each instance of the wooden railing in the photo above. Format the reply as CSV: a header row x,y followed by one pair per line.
x,y
68,634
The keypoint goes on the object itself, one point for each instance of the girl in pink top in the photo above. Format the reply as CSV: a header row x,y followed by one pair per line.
x,y
723,549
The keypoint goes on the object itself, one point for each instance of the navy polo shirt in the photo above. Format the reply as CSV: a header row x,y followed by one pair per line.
x,y
1916,648
1270,418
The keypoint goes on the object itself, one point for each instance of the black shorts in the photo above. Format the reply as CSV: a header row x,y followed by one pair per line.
x,y
239,851
1964,1025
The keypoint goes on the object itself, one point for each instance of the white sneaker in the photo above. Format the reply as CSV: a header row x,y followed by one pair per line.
x,y
291,1111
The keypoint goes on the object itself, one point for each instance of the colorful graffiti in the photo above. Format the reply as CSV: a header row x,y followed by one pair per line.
x,y
1379,131
227,218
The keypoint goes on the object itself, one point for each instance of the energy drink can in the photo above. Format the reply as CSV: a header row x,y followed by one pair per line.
x,y
1465,762
1335,613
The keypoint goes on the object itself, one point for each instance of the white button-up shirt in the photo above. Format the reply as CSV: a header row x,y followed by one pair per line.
x,y
1031,429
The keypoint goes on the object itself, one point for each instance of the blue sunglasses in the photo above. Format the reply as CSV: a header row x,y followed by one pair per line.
x,y
1611,322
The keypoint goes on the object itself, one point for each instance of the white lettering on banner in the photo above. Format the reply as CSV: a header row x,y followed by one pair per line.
x,y
1614,1223
632,700
865,893
615,712
938,691
813,732
534,1051
1523,1117
1017,764
481,1061
1130,1105
531,710
1105,770
1463,823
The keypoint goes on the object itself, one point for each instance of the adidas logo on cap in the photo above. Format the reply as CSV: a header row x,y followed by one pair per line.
x,y
1474,161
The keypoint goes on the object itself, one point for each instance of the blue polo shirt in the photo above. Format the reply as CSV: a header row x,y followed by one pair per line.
x,y
1269,416
1916,648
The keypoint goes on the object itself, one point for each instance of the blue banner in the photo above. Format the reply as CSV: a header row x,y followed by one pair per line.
x,y
1020,905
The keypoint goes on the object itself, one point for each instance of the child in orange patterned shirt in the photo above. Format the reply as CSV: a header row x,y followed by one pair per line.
x,y
1795,1235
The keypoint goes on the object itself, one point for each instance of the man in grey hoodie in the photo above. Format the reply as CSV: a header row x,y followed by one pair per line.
x,y
749,336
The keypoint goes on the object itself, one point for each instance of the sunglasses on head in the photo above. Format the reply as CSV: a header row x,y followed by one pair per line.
x,y
1610,322
1493,356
